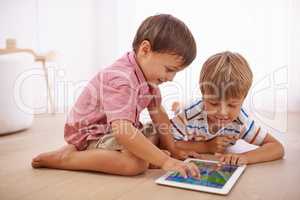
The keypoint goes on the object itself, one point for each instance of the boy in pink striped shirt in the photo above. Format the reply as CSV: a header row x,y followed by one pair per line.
x,y
103,131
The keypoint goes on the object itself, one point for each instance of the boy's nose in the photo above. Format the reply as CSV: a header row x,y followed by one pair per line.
x,y
223,110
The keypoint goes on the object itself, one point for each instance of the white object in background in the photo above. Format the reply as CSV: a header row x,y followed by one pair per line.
x,y
11,48
12,116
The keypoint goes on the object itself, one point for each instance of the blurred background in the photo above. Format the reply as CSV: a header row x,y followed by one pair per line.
x,y
87,35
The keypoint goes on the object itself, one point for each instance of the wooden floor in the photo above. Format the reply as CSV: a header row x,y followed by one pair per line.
x,y
274,180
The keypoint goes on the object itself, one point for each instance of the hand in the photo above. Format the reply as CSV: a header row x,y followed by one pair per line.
x,y
232,159
184,154
185,169
220,143
176,107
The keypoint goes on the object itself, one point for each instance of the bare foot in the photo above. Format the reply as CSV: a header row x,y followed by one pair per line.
x,y
156,167
52,159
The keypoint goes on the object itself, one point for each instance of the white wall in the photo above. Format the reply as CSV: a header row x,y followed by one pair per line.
x,y
18,20
66,27
257,29
294,58
69,28
89,34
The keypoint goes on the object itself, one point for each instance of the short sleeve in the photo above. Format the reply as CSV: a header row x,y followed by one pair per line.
x,y
186,124
193,109
119,99
253,133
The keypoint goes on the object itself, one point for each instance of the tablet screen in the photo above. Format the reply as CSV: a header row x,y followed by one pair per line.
x,y
212,175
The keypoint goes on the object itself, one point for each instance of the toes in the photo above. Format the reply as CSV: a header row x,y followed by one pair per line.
x,y
35,164
36,159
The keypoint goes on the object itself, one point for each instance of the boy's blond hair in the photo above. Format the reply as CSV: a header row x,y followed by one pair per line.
x,y
225,75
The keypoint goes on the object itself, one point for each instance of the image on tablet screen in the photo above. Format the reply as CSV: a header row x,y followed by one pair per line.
x,y
212,175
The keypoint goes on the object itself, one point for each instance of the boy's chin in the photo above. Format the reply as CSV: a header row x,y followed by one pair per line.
x,y
221,122
154,83
224,122
158,82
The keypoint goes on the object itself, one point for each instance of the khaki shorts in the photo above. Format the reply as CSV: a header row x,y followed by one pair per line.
x,y
109,142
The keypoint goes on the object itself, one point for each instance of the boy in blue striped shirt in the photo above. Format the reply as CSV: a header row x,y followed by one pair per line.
x,y
217,120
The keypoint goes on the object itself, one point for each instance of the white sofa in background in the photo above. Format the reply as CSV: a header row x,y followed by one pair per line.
x,y
13,115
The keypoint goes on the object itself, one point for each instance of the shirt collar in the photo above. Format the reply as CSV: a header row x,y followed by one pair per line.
x,y
140,75
145,87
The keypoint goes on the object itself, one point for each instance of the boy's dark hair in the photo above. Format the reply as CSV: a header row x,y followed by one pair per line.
x,y
167,34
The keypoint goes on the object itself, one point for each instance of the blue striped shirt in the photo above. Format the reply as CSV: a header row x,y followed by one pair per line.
x,y
191,125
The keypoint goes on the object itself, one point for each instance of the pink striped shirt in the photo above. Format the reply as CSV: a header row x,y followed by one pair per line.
x,y
119,92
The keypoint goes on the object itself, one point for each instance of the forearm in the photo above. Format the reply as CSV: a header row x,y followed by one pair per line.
x,y
136,143
199,147
267,152
165,136
163,126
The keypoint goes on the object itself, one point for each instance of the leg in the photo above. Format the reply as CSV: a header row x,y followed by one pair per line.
x,y
154,139
99,160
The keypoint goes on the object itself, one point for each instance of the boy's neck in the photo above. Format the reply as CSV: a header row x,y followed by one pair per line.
x,y
213,128
139,66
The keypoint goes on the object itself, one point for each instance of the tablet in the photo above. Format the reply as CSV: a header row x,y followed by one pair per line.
x,y
214,178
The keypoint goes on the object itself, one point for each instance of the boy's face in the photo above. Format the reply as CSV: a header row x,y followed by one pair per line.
x,y
222,112
158,67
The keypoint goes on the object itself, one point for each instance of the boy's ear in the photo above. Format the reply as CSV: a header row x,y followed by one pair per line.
x,y
145,48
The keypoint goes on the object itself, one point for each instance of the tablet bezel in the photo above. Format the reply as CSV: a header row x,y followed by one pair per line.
x,y
224,190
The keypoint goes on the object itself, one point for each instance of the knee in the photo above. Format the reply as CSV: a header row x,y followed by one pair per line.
x,y
135,168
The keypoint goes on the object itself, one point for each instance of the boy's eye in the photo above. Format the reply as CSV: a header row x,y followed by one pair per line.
x,y
213,103
232,105
168,70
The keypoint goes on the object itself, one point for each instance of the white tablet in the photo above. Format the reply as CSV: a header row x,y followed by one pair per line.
x,y
214,178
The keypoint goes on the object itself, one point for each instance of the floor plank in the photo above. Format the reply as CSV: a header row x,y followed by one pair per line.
x,y
274,180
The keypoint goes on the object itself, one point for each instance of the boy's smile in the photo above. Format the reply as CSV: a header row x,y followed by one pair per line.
x,y
222,112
